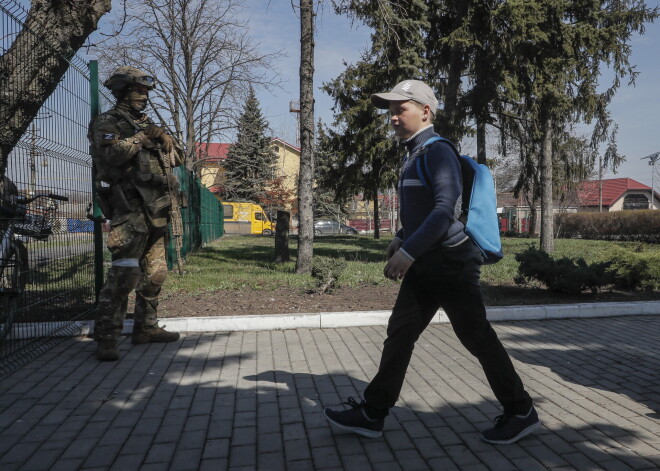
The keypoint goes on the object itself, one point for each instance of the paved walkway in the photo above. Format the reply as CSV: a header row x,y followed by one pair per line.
x,y
253,400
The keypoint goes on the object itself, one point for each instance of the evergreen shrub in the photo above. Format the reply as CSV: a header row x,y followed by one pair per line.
x,y
635,269
564,275
636,226
327,271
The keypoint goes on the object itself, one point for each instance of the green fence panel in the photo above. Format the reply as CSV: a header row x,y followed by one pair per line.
x,y
201,215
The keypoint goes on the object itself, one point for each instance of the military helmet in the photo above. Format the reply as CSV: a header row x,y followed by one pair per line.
x,y
124,76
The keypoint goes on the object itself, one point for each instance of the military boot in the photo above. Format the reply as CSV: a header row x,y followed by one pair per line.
x,y
107,349
152,334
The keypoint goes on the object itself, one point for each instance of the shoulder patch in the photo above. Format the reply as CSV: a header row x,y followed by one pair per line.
x,y
109,136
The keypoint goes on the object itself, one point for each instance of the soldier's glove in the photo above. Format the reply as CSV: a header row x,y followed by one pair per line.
x,y
158,134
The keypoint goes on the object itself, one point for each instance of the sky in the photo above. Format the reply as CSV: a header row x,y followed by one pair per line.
x,y
276,26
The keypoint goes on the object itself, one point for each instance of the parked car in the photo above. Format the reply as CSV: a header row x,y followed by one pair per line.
x,y
324,227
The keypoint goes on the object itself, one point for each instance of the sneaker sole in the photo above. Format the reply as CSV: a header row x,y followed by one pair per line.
x,y
360,431
535,426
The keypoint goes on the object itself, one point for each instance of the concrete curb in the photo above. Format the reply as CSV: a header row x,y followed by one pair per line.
x,y
357,318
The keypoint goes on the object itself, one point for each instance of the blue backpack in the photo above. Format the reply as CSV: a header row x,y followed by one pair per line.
x,y
479,201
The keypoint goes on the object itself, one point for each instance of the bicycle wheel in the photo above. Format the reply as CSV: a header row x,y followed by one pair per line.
x,y
13,273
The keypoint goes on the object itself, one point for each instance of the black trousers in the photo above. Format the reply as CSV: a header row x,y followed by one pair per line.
x,y
446,277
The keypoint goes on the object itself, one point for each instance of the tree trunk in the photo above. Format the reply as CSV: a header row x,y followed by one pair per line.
x,y
282,237
376,216
547,240
305,200
37,60
449,123
481,142
531,223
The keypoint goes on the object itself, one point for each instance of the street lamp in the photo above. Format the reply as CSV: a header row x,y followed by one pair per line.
x,y
653,158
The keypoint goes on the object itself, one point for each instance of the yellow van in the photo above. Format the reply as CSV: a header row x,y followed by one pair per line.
x,y
246,218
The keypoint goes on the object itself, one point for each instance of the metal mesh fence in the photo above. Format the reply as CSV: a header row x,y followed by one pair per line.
x,y
48,271
50,264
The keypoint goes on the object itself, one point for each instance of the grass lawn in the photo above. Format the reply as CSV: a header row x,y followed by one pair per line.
x,y
246,262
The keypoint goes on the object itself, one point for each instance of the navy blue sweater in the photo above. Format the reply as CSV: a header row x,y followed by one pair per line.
x,y
430,217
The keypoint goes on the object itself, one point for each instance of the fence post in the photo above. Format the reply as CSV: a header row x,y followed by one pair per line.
x,y
98,233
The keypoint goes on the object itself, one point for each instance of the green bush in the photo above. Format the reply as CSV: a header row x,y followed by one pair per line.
x,y
327,271
635,269
564,275
639,226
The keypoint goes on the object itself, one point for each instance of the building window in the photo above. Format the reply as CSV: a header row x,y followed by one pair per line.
x,y
635,202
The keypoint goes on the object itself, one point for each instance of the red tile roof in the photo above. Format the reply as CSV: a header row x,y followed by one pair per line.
x,y
212,150
613,189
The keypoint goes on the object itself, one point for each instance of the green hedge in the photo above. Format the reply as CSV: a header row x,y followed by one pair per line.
x,y
636,226
633,270
620,267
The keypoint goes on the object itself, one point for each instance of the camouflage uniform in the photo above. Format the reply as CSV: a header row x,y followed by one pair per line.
x,y
137,204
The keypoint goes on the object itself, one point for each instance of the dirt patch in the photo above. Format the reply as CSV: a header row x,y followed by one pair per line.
x,y
364,298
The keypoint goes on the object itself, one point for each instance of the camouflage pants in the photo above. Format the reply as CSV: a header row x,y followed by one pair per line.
x,y
138,263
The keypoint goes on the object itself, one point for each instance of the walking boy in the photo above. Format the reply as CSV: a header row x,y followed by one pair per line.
x,y
440,267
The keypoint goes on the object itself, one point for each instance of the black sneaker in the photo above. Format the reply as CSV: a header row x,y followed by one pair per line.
x,y
355,420
511,428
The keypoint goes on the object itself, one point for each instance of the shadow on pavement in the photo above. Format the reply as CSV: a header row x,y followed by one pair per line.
x,y
620,357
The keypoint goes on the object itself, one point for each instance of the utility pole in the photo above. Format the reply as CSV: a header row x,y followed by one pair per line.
x,y
600,183
294,108
653,158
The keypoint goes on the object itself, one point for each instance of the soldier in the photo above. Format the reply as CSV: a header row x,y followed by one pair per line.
x,y
127,152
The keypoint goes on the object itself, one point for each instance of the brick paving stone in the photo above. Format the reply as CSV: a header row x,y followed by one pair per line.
x,y
216,449
196,423
244,436
186,460
614,465
244,455
356,462
416,429
528,464
102,456
160,453
66,465
301,465
41,460
80,448
213,465
326,457
461,455
128,463
168,434
274,461
399,440
410,460
296,450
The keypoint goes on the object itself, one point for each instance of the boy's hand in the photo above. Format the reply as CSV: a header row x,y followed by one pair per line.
x,y
397,266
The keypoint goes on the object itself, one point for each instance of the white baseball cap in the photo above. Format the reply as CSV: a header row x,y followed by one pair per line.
x,y
415,90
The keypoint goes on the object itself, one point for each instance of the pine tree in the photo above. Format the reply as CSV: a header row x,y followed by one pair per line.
x,y
250,162
329,201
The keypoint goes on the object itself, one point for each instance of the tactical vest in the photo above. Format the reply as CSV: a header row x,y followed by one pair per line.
x,y
142,175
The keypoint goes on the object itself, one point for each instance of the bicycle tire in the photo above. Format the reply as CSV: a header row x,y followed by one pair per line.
x,y
13,278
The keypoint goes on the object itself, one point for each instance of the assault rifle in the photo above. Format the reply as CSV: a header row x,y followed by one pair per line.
x,y
168,162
